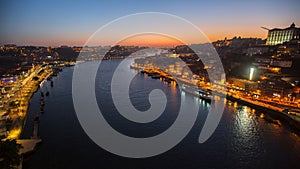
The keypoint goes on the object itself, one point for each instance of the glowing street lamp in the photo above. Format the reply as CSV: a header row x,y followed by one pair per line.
x,y
251,73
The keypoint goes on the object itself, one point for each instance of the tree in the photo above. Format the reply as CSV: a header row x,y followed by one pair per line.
x,y
9,154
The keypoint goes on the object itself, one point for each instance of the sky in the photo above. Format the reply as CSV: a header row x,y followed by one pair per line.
x,y
57,22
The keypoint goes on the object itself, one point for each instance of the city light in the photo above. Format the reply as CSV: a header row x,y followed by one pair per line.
x,y
251,73
256,99
14,134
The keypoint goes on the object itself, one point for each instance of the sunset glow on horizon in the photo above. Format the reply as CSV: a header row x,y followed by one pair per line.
x,y
151,40
56,23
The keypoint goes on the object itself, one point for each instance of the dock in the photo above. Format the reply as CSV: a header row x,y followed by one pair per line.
x,y
28,145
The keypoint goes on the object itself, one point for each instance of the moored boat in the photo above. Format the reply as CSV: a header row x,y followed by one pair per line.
x,y
201,93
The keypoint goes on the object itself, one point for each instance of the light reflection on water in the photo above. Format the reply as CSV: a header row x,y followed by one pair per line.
x,y
242,139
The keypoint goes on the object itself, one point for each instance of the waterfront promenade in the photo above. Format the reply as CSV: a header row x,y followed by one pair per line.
x,y
279,111
16,107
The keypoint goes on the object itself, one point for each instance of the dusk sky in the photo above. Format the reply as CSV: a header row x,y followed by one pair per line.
x,y
55,22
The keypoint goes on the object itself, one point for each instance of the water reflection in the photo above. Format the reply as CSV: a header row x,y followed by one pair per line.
x,y
242,139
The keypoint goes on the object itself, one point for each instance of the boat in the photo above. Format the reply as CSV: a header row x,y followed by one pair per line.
x,y
155,76
133,67
143,71
205,94
70,64
37,119
199,92
42,103
168,80
294,112
49,78
54,74
42,109
56,70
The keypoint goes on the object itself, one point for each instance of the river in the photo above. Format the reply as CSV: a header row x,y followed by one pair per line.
x,y
241,140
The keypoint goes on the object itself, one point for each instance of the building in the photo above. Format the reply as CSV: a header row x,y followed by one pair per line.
x,y
279,36
238,42
256,50
281,63
243,84
275,88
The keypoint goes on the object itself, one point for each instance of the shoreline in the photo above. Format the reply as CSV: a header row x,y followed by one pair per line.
x,y
36,88
18,115
276,114
24,96
274,111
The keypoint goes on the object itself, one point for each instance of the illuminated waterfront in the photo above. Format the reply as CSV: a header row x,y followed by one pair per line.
x,y
242,139
17,101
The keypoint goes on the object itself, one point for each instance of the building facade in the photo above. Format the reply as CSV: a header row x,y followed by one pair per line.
x,y
279,36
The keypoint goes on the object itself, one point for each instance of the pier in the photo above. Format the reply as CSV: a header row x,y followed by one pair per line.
x,y
28,145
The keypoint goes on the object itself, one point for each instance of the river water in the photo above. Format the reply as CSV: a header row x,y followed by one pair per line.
x,y
241,140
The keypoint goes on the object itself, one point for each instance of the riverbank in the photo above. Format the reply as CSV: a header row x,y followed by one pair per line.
x,y
241,136
18,107
275,112
18,114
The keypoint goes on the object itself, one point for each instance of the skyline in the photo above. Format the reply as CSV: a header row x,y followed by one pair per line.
x,y
55,23
149,84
